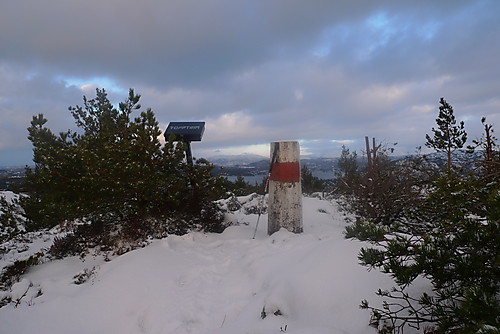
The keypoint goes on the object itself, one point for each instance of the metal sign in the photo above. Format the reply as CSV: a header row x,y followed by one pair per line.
x,y
185,131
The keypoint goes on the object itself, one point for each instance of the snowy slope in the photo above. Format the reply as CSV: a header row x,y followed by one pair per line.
x,y
208,283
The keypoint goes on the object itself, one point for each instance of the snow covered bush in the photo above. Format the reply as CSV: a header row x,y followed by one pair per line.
x,y
84,275
10,274
11,217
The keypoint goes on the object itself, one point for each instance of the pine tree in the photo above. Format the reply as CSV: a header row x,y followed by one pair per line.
x,y
347,174
309,182
115,171
490,164
449,136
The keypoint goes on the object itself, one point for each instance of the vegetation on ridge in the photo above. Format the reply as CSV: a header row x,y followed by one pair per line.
x,y
441,227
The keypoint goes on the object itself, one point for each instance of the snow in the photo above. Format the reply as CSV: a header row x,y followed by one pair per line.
x,y
205,283
9,196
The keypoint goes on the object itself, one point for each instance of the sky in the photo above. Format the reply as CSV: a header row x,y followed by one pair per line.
x,y
324,73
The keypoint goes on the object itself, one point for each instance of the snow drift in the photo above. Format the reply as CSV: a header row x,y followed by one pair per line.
x,y
223,283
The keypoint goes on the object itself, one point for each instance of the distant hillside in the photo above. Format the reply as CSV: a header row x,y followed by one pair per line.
x,y
324,168
233,166
11,177
235,160
459,159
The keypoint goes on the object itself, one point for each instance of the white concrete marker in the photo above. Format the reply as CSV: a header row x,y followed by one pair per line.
x,y
285,193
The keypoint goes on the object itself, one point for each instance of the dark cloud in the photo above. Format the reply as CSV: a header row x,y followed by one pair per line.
x,y
170,42
320,71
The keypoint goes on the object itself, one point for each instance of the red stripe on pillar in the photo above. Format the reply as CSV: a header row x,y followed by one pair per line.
x,y
285,172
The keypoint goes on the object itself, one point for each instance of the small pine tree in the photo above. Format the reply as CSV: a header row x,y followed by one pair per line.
x,y
490,164
115,171
347,175
240,186
309,182
449,136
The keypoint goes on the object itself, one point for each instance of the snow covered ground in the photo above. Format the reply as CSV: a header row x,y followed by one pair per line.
x,y
202,283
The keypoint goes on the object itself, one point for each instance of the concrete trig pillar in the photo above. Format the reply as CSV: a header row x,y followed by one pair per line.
x,y
285,193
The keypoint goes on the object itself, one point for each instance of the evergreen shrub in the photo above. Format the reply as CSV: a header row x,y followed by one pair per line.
x,y
452,242
114,173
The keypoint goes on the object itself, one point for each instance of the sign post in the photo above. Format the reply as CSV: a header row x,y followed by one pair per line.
x,y
186,132
285,193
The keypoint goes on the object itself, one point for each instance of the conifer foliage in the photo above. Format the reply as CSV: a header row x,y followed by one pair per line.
x,y
446,236
385,192
458,255
309,182
114,171
449,136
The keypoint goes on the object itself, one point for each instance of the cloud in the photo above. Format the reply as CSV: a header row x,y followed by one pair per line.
x,y
234,129
256,71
